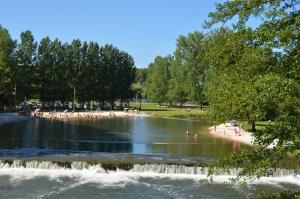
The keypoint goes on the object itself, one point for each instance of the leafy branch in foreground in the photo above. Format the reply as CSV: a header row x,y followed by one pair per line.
x,y
251,164
280,195
257,162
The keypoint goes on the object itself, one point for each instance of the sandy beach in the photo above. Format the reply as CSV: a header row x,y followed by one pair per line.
x,y
86,115
232,133
235,133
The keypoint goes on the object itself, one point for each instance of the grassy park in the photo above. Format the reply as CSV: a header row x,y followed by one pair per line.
x,y
154,109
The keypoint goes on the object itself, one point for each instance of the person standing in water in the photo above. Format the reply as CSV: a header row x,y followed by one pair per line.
x,y
195,136
187,133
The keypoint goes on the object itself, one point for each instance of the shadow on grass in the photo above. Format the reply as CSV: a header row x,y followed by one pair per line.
x,y
261,125
146,109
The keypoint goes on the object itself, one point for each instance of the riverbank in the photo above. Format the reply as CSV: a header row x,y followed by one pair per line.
x,y
227,131
86,115
232,133
6,118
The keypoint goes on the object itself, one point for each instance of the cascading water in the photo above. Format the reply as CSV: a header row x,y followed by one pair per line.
x,y
137,168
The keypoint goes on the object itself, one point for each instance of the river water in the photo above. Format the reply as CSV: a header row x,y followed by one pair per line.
x,y
120,135
127,138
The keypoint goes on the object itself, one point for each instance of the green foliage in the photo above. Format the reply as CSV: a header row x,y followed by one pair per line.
x,y
7,67
141,75
158,79
188,71
260,68
185,76
286,132
26,53
253,163
52,71
276,195
234,70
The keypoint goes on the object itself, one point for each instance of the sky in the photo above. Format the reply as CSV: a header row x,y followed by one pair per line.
x,y
143,28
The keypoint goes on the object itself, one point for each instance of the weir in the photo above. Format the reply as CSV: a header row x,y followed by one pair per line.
x,y
129,167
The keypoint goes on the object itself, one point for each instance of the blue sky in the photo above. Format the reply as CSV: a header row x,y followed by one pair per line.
x,y
143,28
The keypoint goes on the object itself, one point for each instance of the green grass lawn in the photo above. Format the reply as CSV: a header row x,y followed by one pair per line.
x,y
259,125
166,111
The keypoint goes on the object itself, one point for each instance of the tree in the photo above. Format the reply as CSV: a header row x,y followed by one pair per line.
x,y
7,67
74,66
189,68
178,90
52,71
126,76
279,27
43,71
90,79
110,70
232,70
141,75
279,31
26,55
60,81
158,79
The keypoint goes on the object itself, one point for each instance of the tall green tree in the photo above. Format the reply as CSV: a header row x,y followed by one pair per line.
x,y
268,90
60,81
7,67
43,71
91,71
158,79
178,90
26,57
74,66
126,76
232,71
189,67
52,71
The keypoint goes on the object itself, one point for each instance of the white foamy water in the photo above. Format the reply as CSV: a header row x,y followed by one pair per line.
x,y
19,170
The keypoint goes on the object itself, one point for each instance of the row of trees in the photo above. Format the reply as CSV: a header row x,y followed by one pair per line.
x,y
56,71
237,72
179,77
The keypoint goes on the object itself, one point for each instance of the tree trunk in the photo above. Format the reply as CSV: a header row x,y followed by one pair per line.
x,y
112,104
140,103
74,94
253,129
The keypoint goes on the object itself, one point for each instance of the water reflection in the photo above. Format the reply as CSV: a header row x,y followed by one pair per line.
x,y
58,135
118,135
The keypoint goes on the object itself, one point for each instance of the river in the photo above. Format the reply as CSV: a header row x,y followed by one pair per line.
x,y
162,153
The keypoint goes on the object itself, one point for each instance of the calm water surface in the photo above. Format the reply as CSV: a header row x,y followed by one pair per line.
x,y
120,135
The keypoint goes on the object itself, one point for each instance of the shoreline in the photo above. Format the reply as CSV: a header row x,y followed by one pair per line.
x,y
86,115
233,133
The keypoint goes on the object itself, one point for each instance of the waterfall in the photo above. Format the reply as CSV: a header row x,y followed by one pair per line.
x,y
119,167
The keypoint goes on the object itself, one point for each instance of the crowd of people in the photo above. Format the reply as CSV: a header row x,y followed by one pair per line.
x,y
84,115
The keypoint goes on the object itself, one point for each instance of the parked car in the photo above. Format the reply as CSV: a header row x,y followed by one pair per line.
x,y
79,106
